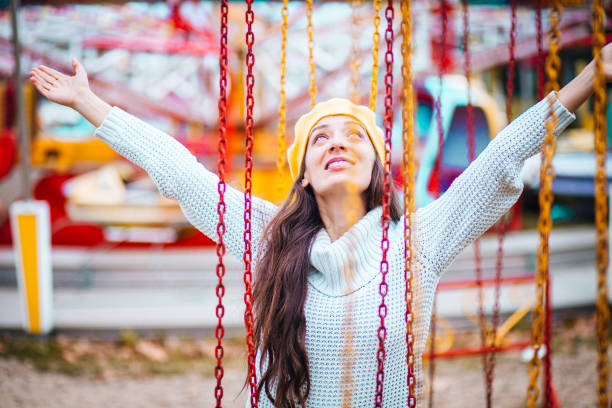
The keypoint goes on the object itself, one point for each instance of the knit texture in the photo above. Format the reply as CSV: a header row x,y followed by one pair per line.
x,y
472,204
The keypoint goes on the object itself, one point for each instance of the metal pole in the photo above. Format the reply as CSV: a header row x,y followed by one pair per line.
x,y
22,133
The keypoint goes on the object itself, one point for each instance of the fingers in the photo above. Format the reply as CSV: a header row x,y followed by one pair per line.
x,y
42,76
78,68
55,74
42,87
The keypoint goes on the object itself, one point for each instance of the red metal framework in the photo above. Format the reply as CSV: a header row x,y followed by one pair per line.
x,y
384,264
222,146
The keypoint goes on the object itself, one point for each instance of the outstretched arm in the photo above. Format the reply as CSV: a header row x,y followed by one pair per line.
x,y
175,171
491,184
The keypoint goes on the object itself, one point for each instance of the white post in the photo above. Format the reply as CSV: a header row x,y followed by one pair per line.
x,y
31,231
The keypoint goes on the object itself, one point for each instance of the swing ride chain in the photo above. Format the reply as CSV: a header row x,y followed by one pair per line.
x,y
553,65
282,109
220,269
601,209
540,58
312,76
376,39
471,155
438,102
501,227
437,168
248,277
384,264
409,204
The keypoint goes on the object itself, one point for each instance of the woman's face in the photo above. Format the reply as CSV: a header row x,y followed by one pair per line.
x,y
339,152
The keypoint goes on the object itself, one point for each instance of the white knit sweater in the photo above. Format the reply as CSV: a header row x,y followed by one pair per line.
x,y
474,202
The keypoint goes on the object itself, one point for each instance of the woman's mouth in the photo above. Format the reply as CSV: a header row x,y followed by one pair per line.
x,y
336,164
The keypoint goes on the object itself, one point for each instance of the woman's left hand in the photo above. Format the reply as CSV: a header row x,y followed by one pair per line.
x,y
580,88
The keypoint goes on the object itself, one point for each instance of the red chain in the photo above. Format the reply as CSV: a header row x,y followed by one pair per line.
x,y
384,264
248,169
437,169
471,144
220,290
540,58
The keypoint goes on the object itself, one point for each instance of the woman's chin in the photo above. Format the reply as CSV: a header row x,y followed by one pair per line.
x,y
337,182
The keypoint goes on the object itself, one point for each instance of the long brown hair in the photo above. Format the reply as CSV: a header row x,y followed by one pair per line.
x,y
279,291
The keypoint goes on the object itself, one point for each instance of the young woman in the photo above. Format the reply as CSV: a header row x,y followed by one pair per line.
x,y
303,247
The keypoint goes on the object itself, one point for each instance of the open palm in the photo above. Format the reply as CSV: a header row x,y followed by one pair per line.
x,y
58,87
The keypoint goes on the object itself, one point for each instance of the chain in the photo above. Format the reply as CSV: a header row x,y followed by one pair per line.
x,y
355,58
540,58
409,204
351,204
501,226
471,144
248,169
221,146
553,66
282,109
376,40
436,171
438,101
384,264
601,209
312,76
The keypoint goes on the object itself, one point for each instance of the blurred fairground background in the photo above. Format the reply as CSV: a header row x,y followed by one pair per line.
x,y
124,293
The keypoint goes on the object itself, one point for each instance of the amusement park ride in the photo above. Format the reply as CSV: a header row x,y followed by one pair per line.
x,y
95,199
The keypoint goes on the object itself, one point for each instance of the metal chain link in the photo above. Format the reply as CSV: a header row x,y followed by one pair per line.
x,y
281,160
501,226
248,169
384,264
471,144
601,207
436,169
409,201
351,203
312,76
376,40
221,147
553,66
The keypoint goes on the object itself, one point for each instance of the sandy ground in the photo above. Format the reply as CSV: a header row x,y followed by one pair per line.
x,y
458,382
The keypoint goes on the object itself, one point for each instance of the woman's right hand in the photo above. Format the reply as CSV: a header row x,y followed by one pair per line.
x,y
71,90
61,88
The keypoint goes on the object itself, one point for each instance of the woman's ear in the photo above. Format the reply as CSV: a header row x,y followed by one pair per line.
x,y
304,182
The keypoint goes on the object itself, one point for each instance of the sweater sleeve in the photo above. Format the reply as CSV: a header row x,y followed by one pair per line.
x,y
179,176
486,189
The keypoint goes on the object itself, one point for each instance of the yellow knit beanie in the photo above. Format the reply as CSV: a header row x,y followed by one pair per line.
x,y
332,107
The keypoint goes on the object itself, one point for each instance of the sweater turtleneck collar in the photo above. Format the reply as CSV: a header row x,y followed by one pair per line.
x,y
357,250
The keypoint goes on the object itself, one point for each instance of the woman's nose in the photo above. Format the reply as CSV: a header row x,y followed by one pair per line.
x,y
337,143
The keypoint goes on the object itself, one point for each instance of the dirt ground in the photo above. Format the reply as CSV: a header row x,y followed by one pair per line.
x,y
145,373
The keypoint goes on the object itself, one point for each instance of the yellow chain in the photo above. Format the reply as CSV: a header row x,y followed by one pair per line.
x,y
348,355
601,206
355,58
409,170
282,109
376,39
553,67
312,75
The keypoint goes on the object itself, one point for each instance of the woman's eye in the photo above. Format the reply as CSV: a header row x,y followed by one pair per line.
x,y
355,135
319,136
